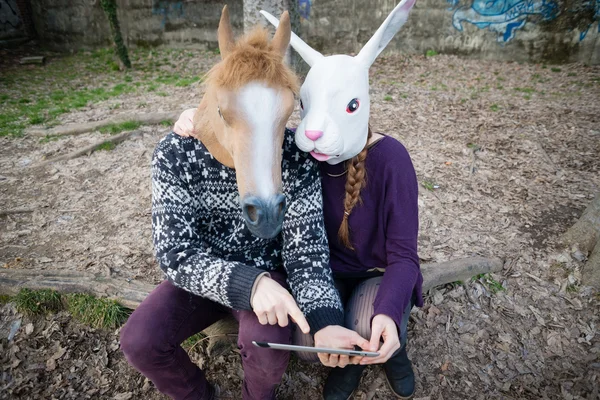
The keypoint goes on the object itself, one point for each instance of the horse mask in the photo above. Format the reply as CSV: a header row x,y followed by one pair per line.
x,y
334,98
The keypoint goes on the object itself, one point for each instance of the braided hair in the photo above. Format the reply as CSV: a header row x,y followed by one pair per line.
x,y
356,180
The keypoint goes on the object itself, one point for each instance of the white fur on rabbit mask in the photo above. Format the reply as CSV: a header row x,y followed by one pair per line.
x,y
335,95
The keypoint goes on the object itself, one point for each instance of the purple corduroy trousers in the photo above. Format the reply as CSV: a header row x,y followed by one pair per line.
x,y
151,341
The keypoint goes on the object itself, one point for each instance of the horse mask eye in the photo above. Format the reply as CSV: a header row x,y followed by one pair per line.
x,y
352,106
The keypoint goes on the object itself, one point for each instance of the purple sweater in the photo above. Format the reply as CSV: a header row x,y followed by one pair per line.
x,y
383,229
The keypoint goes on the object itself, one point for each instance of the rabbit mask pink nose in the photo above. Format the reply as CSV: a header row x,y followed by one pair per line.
x,y
313,135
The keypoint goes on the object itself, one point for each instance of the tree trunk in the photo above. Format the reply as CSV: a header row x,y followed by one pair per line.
x,y
110,8
585,235
252,17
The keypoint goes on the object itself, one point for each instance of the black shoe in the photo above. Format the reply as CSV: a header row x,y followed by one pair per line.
x,y
342,382
400,375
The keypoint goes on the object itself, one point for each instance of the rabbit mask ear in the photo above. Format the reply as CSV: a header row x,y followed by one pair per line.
x,y
307,53
385,33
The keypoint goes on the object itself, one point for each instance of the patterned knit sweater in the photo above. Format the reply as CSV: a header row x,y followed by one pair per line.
x,y
204,247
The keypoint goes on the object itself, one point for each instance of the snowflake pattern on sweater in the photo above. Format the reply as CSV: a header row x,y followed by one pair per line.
x,y
204,247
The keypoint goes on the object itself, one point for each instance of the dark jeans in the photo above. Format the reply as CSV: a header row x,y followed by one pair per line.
x,y
153,334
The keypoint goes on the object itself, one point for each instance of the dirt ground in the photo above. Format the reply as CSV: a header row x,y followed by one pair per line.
x,y
508,156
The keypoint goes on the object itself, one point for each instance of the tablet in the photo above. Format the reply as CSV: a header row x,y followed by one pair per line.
x,y
291,347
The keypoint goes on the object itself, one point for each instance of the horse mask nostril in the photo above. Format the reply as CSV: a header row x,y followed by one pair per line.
x,y
264,217
251,212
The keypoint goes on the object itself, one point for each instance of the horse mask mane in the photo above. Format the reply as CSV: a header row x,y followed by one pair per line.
x,y
334,98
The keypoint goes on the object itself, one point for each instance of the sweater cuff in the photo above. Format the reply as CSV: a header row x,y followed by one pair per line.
x,y
324,317
268,275
241,283
392,312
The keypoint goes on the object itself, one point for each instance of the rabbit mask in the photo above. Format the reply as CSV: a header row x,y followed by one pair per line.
x,y
334,98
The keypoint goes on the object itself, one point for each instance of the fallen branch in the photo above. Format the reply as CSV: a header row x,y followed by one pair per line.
x,y
129,293
132,293
437,274
76,129
114,140
18,210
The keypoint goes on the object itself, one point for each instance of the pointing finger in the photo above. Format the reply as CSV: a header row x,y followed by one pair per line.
x,y
296,314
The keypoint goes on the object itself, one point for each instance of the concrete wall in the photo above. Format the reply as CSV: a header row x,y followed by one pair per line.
x,y
82,24
521,30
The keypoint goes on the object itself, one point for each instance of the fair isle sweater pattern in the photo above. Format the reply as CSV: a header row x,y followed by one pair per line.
x,y
204,247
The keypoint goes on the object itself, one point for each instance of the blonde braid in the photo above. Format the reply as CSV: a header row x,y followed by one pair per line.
x,y
357,178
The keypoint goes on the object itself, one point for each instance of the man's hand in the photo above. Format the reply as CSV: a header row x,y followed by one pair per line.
x,y
185,124
272,304
382,327
338,337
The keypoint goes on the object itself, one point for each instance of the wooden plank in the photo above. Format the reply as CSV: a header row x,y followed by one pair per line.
x,y
33,60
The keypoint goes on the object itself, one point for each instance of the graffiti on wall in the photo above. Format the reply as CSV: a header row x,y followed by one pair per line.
x,y
304,8
9,16
168,8
506,17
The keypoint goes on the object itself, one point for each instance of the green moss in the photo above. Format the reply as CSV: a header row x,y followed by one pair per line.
x,y
38,302
193,340
494,107
96,312
49,138
186,81
487,280
431,53
572,288
428,185
4,299
388,98
121,127
527,90
106,146
554,69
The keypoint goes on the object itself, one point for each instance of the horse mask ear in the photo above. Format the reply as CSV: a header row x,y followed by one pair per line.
x,y
281,40
307,53
385,33
225,34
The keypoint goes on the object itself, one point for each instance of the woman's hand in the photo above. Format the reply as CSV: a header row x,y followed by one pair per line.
x,y
185,124
338,337
272,304
382,327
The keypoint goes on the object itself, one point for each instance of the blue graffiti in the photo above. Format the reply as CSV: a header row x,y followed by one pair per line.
x,y
304,8
596,6
167,8
506,17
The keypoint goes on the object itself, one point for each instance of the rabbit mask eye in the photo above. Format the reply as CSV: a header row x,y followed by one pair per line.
x,y
352,106
301,105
